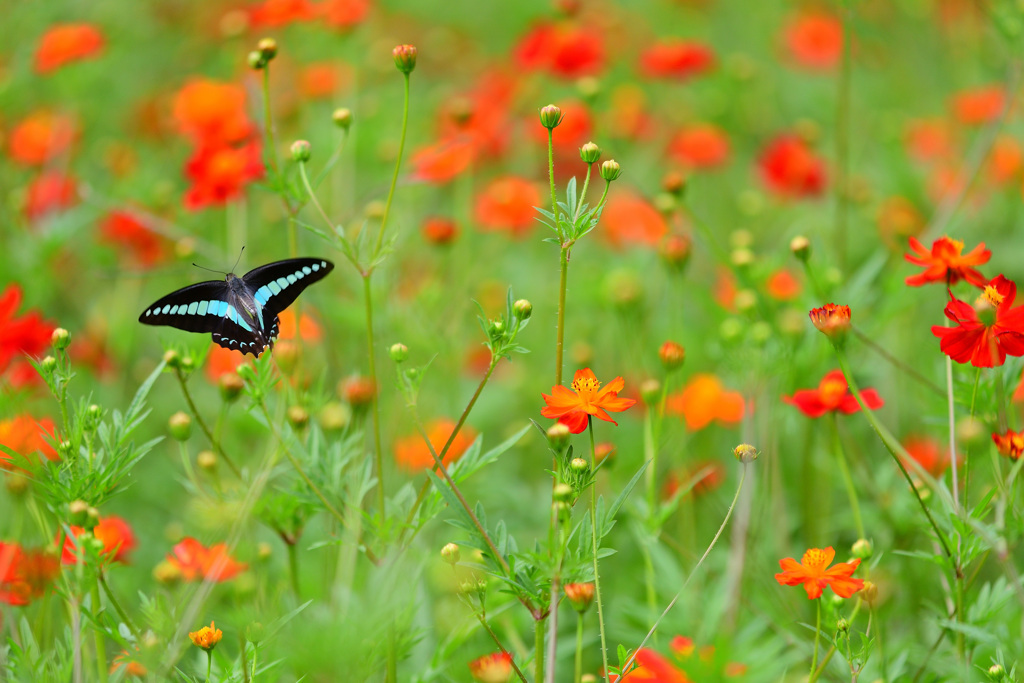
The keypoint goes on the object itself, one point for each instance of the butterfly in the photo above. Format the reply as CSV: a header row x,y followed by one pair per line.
x,y
241,312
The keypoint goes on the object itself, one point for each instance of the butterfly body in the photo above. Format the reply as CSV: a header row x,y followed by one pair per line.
x,y
239,312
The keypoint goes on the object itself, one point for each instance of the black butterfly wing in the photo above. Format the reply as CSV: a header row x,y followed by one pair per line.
x,y
195,308
276,285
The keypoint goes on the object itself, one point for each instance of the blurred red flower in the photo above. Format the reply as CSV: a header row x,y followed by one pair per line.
x,y
790,169
651,667
986,332
26,436
927,453
629,220
700,146
782,285
703,477
573,132
898,220
412,454
815,40
703,400
281,12
113,532
1005,160
211,112
674,58
507,204
929,140
564,49
1010,444
321,81
196,562
66,43
832,394
440,231
492,668
587,398
39,137
979,105
344,14
51,192
221,361
128,231
308,328
25,574
443,160
812,571
219,174
29,334
132,667
946,262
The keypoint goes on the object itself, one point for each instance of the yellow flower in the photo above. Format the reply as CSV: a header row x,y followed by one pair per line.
x,y
207,637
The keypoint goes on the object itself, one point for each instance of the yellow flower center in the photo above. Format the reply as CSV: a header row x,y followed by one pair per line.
x,y
832,391
815,560
958,245
585,386
992,296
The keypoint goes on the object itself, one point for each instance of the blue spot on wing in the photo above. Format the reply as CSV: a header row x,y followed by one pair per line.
x,y
262,294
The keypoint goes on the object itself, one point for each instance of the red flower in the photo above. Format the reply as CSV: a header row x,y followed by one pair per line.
x,y
51,192
221,361
651,667
137,240
629,220
219,174
815,41
1010,444
704,400
507,204
927,453
493,668
564,50
700,146
66,43
812,571
322,80
211,112
986,332
443,160
197,562
929,140
29,334
832,320
1006,160
26,436
440,231
24,574
574,408
679,59
790,169
282,12
832,395
40,137
113,532
782,285
412,454
946,263
575,130
980,105
344,14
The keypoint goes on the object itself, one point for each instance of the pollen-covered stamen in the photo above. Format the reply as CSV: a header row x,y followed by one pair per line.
x,y
816,559
832,391
586,387
991,297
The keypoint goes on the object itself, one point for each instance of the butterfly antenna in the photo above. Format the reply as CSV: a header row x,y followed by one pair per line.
x,y
209,269
238,259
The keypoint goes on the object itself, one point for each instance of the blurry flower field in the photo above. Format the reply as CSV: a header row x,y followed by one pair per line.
x,y
664,341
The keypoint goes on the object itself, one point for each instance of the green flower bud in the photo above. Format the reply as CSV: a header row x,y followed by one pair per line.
x,y
550,116
267,48
745,453
60,338
399,352
523,309
405,58
342,118
590,153
610,170
180,425
301,151
451,554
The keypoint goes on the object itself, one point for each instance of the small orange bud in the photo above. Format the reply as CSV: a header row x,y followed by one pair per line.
x,y
440,231
267,48
833,321
495,668
180,425
801,247
672,355
405,58
358,391
207,637
342,117
60,338
580,595
301,150
590,153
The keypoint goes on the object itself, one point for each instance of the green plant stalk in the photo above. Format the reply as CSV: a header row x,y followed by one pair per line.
x,y
268,122
817,638
593,539
117,605
551,182
378,456
242,655
578,668
101,644
967,450
293,568
842,189
538,648
209,664
893,447
323,214
563,278
844,469
896,362
394,177
202,424
583,194
483,622
951,416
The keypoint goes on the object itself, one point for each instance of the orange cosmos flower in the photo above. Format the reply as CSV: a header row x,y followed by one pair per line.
x,y
322,80
986,332
493,668
651,667
131,666
1006,160
929,140
66,43
281,12
443,160
113,532
221,361
131,234
25,574
702,477
211,112
219,174
23,335
40,137
26,436
629,220
51,192
927,453
196,562
832,320
790,169
812,571
506,204
565,50
782,285
703,400
832,395
412,454
308,327
947,263
574,408
1010,444
344,15
815,41
980,105
207,637
700,146
440,231
679,59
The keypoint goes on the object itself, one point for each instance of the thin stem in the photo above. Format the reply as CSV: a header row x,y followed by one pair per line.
x,y
202,424
896,362
101,644
843,139
117,606
293,567
398,165
378,457
483,622
817,639
967,451
563,277
209,663
583,194
951,414
844,469
578,669
594,545
551,181
538,649
312,195
553,607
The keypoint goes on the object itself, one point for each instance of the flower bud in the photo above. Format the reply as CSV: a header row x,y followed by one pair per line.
x,y
862,549
801,248
342,118
256,61
650,391
869,593
334,417
48,364
78,510
254,632
558,436
93,415
451,554
550,116
588,88
590,153
264,551
17,484
580,595
745,453
301,151
405,58
562,492
523,309
675,251
172,358
188,364
604,451
298,416
207,461
996,672
665,203
60,339
230,385
579,465
562,510
742,258
358,391
745,300
674,183
399,352
610,170
65,449
672,355
833,321
842,626
180,425
440,231
286,355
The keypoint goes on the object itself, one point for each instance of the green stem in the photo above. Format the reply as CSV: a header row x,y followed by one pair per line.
x,y
117,605
538,649
378,456
209,664
578,669
563,277
101,644
551,181
896,362
594,546
843,139
951,416
583,194
293,567
398,165
967,451
817,638
202,424
844,469
483,622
